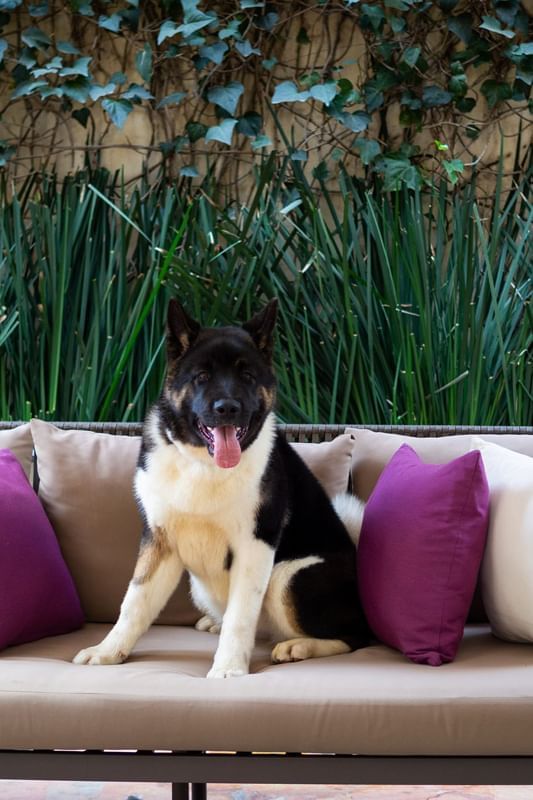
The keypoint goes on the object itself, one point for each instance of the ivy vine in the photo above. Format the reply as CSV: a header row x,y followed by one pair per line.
x,y
218,68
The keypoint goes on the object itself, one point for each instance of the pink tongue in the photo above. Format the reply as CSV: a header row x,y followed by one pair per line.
x,y
227,448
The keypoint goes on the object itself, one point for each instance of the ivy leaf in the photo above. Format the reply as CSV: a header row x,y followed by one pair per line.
x,y
222,132
3,47
28,87
117,110
67,48
195,130
119,77
261,141
356,122
51,67
324,92
411,55
372,17
507,12
296,155
111,23
35,37
231,30
267,22
227,97
6,153
288,92
269,63
98,91
167,30
80,67
397,24
453,169
401,5
250,124
374,88
137,93
214,52
195,22
83,8
246,49
369,150
26,59
398,171
78,89
461,26
251,4
496,91
458,85
143,63
494,26
189,171
435,96
81,115
465,104
38,10
171,99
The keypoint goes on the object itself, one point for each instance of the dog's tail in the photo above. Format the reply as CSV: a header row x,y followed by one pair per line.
x,y
350,510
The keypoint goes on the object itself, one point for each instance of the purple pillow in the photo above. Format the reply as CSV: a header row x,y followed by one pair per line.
x,y
422,540
37,594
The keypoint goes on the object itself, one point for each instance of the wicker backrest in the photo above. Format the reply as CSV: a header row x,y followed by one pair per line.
x,y
307,433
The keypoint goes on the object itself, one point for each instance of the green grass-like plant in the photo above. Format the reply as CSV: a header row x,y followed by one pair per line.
x,y
405,307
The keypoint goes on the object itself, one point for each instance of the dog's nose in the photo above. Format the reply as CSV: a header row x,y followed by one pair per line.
x,y
227,407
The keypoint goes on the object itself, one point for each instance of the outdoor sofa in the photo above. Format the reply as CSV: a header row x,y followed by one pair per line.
x,y
371,716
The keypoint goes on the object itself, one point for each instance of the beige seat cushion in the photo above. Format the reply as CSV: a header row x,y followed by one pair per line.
x,y
373,450
85,486
19,441
372,701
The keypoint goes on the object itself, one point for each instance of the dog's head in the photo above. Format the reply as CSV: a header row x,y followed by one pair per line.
x,y
220,385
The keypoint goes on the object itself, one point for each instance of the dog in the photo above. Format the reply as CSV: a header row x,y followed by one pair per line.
x,y
225,497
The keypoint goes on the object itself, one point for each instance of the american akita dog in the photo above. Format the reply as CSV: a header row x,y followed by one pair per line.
x,y
224,496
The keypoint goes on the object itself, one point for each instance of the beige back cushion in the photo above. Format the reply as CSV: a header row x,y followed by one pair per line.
x,y
86,488
373,450
19,441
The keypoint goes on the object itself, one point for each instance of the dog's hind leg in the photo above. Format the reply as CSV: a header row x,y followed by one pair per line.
x,y
304,647
156,575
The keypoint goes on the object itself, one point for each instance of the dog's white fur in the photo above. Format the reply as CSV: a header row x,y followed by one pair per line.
x,y
201,511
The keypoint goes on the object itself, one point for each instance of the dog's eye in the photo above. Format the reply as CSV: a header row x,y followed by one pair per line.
x,y
201,377
249,377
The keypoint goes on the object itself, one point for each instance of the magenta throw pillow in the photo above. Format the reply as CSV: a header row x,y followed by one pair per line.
x,y
37,594
422,540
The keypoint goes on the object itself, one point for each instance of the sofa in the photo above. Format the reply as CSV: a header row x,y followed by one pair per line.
x,y
370,716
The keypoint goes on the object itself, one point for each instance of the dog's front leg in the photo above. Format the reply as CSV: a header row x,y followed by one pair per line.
x,y
157,573
250,574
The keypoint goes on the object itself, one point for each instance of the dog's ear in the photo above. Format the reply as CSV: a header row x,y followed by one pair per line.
x,y
182,330
261,328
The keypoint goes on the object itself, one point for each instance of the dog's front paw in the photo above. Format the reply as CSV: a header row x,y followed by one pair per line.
x,y
230,670
99,655
208,624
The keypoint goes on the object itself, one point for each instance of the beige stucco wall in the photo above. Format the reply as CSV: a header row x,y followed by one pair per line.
x,y
44,137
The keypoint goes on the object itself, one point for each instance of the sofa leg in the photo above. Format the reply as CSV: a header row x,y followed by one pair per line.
x,y
180,791
198,791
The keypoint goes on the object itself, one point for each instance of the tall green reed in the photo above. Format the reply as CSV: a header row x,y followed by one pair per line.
x,y
394,308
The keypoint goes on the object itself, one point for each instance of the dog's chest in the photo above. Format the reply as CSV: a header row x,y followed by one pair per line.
x,y
205,513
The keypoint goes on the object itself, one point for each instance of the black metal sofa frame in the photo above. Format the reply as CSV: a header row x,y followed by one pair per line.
x,y
188,773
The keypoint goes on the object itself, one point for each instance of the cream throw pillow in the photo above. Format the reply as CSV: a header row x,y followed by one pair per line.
x,y
507,567
19,441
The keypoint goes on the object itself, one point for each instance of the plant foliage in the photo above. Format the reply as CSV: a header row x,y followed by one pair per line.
x,y
435,62
401,308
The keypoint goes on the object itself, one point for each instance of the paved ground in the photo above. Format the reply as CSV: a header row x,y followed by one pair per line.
x,y
34,790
